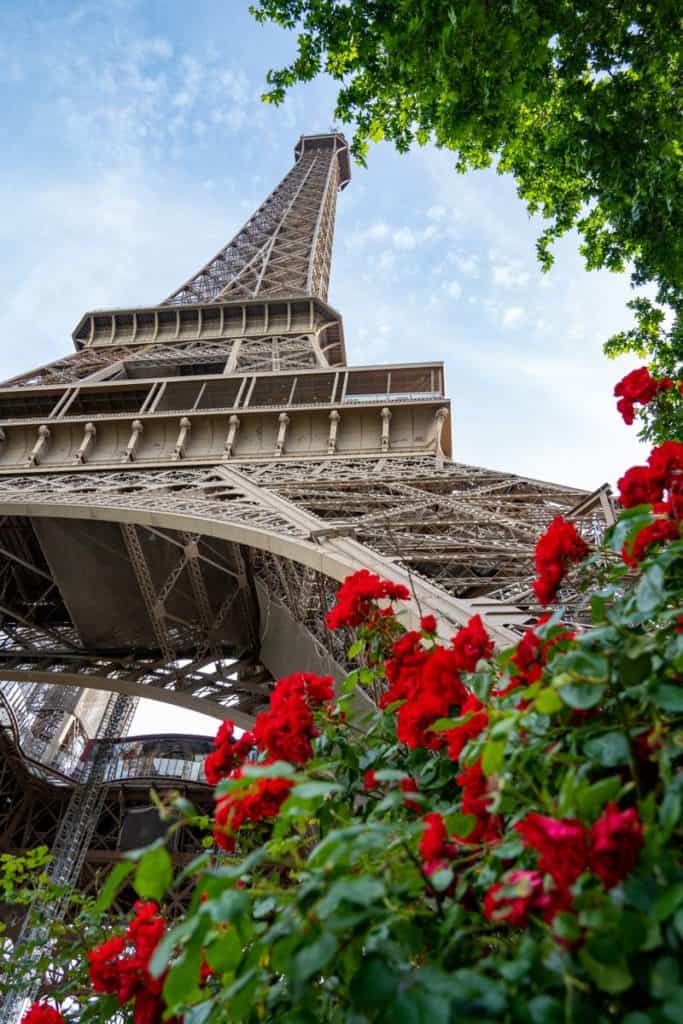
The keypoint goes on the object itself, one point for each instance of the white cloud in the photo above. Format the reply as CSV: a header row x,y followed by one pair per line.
x,y
509,275
436,212
386,260
154,47
455,289
405,238
375,232
467,263
512,316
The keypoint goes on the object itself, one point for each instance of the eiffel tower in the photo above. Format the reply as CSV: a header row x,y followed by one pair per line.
x,y
180,498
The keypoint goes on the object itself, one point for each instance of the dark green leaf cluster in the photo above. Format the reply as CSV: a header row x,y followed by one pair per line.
x,y
580,100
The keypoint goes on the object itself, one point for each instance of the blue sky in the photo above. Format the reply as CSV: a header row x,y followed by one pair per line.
x,y
135,142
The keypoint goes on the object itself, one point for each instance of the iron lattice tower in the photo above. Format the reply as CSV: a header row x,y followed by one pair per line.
x,y
181,496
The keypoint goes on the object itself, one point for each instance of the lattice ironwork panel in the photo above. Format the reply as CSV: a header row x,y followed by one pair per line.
x,y
72,369
469,530
285,247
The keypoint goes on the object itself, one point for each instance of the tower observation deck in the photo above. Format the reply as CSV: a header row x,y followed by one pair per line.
x,y
180,496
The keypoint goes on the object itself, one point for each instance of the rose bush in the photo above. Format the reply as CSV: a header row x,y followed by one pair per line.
x,y
499,840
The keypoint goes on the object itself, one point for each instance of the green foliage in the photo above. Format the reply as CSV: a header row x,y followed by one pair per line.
x,y
327,915
579,101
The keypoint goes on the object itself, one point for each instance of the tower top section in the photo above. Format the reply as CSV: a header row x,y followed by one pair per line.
x,y
285,248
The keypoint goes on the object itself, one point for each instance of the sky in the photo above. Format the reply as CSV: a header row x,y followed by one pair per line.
x,y
135,143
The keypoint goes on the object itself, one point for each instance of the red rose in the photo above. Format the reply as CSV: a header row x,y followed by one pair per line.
x,y
639,486
471,644
260,801
654,533
638,387
562,845
357,599
149,1008
403,668
285,731
410,786
513,899
615,843
428,624
146,929
431,685
558,548
104,966
433,844
460,735
42,1013
475,800
627,411
417,716
229,754
370,780
666,460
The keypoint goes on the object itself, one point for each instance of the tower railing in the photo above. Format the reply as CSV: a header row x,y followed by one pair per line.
x,y
140,759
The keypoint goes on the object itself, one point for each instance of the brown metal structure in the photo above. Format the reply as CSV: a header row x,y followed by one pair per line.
x,y
180,497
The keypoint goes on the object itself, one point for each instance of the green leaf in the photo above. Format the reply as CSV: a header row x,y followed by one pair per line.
x,y
276,770
356,648
668,902
548,702
669,698
312,958
444,724
360,891
591,799
612,978
310,790
154,874
581,695
650,590
471,987
225,951
664,978
390,775
460,824
183,978
493,757
230,905
608,750
162,953
584,665
199,1013
112,884
374,984
441,879
545,1010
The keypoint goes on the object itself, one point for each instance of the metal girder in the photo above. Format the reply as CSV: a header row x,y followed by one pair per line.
x,y
152,600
